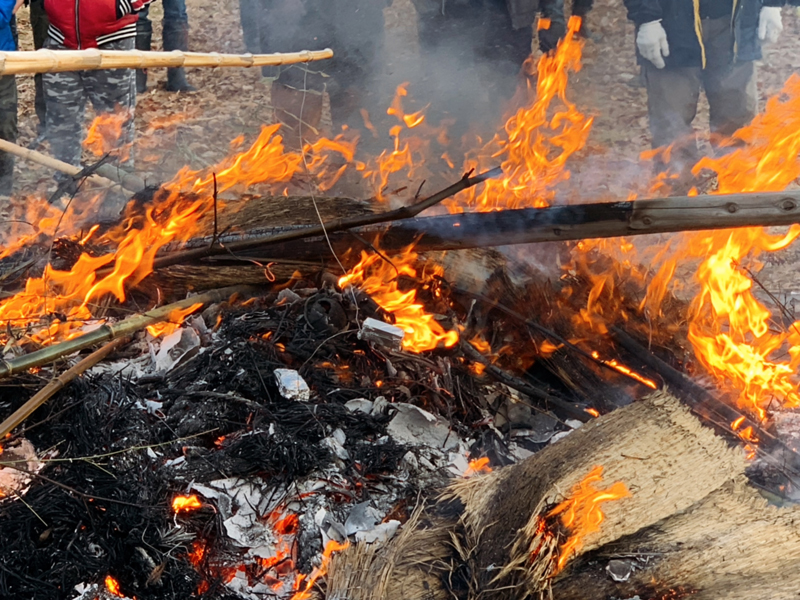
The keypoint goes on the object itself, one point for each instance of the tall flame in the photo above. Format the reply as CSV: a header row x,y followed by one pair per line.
x,y
540,138
730,329
379,279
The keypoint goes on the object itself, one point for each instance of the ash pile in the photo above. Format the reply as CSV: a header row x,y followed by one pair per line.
x,y
230,457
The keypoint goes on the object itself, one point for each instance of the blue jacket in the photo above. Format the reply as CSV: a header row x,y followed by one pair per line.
x,y
6,15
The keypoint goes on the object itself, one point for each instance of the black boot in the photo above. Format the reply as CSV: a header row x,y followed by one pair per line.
x,y
144,38
176,37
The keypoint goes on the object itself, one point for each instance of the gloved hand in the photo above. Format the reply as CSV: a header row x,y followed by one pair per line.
x,y
652,43
770,24
550,36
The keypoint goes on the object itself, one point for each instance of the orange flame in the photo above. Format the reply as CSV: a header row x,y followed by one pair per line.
x,y
186,503
105,131
173,322
112,585
729,328
580,514
538,139
303,584
173,218
379,279
478,465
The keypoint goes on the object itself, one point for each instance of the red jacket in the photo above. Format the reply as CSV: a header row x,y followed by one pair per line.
x,y
79,24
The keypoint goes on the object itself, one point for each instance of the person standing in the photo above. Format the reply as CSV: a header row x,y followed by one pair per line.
x,y
8,95
77,25
39,25
175,36
690,45
353,28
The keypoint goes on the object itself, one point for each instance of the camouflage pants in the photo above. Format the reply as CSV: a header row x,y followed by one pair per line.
x,y
8,130
66,94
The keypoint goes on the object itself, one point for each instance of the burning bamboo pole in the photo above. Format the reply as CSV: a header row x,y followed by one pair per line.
x,y
53,61
105,175
108,332
521,226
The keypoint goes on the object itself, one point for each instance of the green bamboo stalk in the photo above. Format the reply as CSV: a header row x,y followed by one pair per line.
x,y
57,384
112,331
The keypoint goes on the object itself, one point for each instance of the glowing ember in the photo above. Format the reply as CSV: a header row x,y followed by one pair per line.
x,y
626,371
379,279
303,584
580,514
112,585
186,503
478,465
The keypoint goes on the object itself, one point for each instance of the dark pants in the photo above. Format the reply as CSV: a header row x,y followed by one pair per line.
x,y
39,24
354,28
673,93
8,130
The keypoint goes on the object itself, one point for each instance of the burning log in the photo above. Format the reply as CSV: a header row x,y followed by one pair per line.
x,y
647,484
53,61
523,226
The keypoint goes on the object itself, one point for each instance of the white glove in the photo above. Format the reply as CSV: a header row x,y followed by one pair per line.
x,y
652,43
770,24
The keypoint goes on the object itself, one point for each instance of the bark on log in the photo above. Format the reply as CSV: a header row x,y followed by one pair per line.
x,y
478,535
557,223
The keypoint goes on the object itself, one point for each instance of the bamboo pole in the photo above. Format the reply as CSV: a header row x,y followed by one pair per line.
x,y
105,175
54,61
532,225
57,384
112,331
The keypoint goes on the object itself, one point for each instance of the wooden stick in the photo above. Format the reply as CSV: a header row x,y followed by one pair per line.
x,y
54,61
106,175
113,331
57,384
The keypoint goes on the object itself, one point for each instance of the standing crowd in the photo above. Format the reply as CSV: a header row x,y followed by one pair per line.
x,y
683,46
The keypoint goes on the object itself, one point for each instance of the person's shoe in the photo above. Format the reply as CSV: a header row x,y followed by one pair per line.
x,y
176,81
141,81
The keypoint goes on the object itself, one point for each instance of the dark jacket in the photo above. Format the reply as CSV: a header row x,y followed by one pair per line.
x,y
79,24
678,17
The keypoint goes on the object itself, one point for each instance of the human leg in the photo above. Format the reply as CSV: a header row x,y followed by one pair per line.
x,y
730,86
112,90
39,24
8,130
144,41
672,96
176,37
